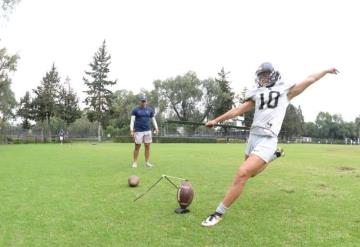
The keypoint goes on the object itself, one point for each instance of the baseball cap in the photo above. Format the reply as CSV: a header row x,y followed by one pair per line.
x,y
142,98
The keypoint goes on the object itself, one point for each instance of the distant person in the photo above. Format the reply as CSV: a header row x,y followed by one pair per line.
x,y
61,136
270,97
140,129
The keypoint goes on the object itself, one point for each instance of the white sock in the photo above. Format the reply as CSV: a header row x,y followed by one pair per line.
x,y
221,209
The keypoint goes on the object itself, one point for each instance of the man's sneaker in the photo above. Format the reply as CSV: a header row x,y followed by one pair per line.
x,y
280,152
212,219
134,165
148,165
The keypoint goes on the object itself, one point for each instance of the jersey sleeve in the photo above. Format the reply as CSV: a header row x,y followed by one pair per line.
x,y
286,86
152,113
250,94
289,85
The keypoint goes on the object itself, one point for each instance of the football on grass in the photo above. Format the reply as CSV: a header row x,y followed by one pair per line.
x,y
133,181
185,194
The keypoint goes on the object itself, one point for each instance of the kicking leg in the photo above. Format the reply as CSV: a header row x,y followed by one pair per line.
x,y
250,167
278,153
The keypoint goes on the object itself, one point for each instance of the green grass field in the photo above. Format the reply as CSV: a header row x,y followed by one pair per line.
x,y
77,195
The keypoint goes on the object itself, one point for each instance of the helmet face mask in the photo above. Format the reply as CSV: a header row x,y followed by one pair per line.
x,y
263,79
266,76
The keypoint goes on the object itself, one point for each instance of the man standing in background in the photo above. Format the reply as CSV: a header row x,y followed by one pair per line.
x,y
140,129
61,136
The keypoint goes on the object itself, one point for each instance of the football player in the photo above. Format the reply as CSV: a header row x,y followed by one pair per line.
x,y
270,97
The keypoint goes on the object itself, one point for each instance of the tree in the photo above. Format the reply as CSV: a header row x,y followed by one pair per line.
x,y
46,98
25,111
289,128
323,123
248,116
337,130
8,64
293,124
349,130
123,103
300,122
310,129
99,97
211,93
187,97
82,127
39,113
7,5
182,94
225,99
68,105
357,123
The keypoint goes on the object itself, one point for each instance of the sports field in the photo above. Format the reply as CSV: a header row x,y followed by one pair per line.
x,y
77,195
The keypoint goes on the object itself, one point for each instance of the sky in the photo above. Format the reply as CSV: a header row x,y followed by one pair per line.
x,y
158,39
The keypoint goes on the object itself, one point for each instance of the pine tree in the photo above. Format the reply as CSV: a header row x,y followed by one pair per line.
x,y
99,97
225,100
25,111
300,121
68,105
46,98
289,126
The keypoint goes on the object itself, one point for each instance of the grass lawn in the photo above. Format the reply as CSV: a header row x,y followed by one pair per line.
x,y
77,195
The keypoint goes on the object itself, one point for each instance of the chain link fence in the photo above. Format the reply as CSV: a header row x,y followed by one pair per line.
x,y
170,131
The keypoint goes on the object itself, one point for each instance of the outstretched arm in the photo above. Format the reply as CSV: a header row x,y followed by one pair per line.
x,y
300,87
245,107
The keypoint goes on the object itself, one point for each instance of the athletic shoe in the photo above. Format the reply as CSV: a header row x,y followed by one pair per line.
x,y
212,219
280,152
134,165
148,165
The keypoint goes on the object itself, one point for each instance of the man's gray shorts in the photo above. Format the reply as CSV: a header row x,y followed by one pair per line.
x,y
143,137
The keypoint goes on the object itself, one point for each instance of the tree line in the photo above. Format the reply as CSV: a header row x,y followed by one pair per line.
x,y
53,104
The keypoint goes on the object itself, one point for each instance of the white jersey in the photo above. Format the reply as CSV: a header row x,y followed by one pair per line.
x,y
270,108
